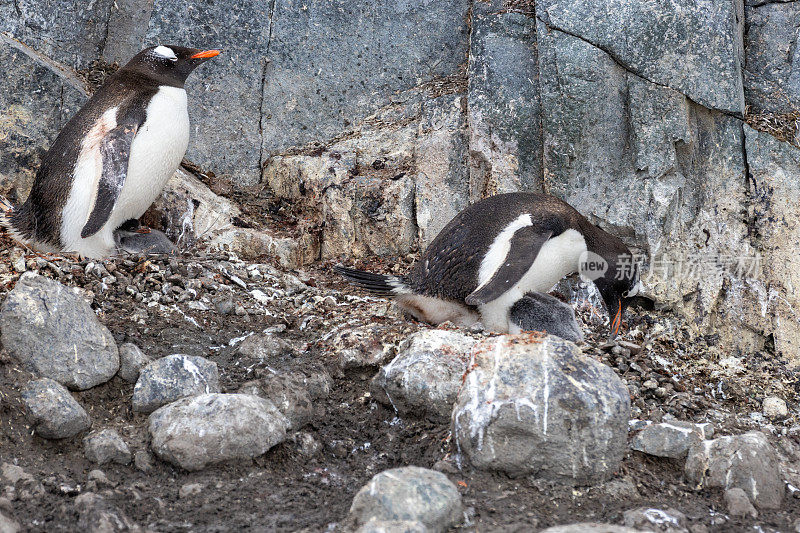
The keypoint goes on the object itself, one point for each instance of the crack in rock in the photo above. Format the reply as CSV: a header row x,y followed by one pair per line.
x,y
63,72
627,68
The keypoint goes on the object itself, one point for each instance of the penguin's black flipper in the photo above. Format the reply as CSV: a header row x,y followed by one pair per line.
x,y
115,150
522,252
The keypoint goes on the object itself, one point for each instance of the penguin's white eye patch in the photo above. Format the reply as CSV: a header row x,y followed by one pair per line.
x,y
634,290
166,52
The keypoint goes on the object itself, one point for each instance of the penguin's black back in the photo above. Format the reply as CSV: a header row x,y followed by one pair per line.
x,y
39,218
449,266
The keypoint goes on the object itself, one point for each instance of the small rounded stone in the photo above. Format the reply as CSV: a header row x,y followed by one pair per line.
x,y
774,408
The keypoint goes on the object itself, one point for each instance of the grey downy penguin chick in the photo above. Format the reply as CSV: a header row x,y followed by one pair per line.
x,y
496,251
135,239
537,311
113,158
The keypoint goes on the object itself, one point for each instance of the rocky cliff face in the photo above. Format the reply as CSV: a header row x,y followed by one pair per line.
x,y
378,122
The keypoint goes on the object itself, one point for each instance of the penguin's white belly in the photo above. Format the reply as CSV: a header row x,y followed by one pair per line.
x,y
557,258
435,310
156,152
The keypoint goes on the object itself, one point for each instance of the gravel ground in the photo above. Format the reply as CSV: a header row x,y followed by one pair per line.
x,y
208,304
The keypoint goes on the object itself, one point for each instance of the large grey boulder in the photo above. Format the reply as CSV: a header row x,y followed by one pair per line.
x,y
538,311
426,374
52,411
537,406
195,432
504,115
746,461
646,37
55,333
172,377
288,393
411,494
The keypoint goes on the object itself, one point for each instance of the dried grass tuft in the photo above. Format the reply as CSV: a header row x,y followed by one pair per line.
x,y
97,73
782,126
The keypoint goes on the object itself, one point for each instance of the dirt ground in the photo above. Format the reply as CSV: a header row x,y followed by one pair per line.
x,y
287,490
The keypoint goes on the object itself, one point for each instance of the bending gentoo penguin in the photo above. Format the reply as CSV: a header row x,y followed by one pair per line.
x,y
113,158
497,250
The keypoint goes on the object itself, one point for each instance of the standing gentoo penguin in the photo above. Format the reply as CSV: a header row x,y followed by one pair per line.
x,y
497,250
113,158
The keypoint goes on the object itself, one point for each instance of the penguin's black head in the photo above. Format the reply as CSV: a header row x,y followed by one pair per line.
x,y
619,287
168,64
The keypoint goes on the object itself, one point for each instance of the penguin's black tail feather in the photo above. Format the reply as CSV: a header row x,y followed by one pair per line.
x,y
5,205
12,220
6,212
375,283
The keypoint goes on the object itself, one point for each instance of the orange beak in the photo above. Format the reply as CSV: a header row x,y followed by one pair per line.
x,y
617,322
206,54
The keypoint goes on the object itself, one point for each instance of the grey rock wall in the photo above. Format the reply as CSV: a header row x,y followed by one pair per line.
x,y
775,186
772,61
666,173
70,32
224,95
377,122
36,100
692,47
127,26
293,72
335,61
441,152
504,111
